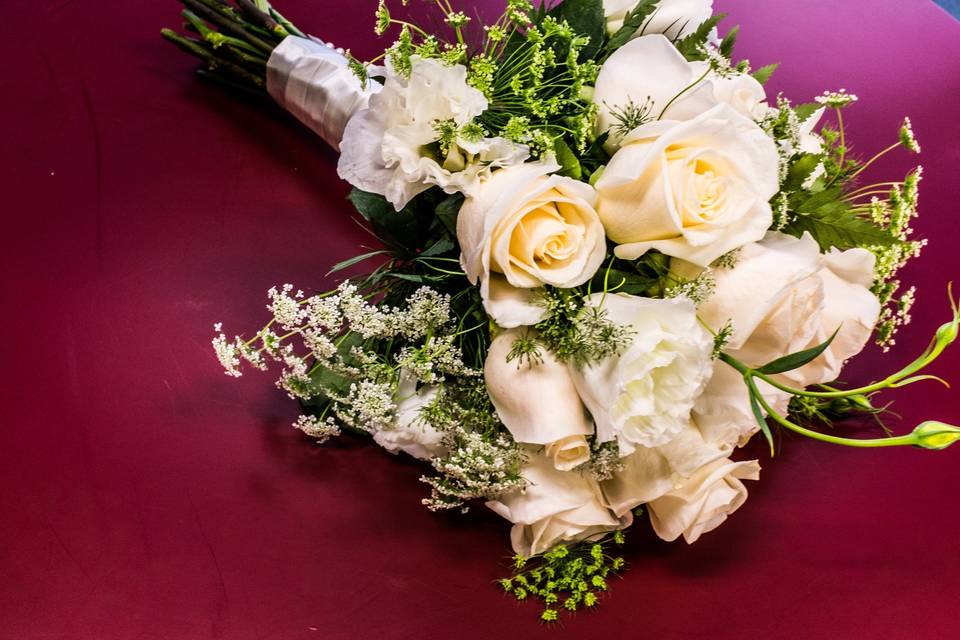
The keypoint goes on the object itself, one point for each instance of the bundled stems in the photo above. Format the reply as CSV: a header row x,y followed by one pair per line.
x,y
235,42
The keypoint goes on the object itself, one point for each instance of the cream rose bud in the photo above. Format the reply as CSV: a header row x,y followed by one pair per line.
x,y
409,432
525,228
702,502
554,507
694,190
537,402
674,18
643,397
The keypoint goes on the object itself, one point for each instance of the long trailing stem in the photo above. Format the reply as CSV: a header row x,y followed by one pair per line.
x,y
930,435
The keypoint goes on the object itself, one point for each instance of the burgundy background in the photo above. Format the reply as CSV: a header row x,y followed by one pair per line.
x,y
145,495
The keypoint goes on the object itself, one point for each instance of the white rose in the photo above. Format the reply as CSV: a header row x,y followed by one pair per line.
x,y
648,74
675,18
393,147
703,502
523,229
741,91
555,507
783,296
651,472
537,402
694,190
688,485
409,432
643,397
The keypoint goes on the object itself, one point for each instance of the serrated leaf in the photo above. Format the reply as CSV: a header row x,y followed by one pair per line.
x,y
839,229
800,170
763,74
631,23
569,164
805,110
796,360
729,41
689,46
587,18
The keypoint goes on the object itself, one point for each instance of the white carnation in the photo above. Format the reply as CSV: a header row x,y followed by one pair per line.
x,y
643,397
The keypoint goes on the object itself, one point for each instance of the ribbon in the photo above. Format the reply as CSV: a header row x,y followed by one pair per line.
x,y
313,82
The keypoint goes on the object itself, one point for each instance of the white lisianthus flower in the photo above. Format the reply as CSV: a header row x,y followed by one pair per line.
x,y
643,396
673,18
408,432
419,132
537,402
783,296
694,190
688,485
525,228
555,507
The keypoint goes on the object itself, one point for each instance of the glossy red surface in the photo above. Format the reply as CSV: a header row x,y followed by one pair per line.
x,y
145,495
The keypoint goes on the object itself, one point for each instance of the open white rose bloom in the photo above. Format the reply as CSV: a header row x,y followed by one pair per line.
x,y
608,259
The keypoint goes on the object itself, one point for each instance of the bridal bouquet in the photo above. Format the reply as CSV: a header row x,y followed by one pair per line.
x,y
609,258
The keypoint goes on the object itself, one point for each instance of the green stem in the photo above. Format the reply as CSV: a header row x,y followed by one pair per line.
x,y
910,439
687,88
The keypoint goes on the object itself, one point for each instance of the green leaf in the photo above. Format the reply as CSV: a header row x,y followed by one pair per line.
x,y
631,23
447,212
805,110
340,266
800,170
569,164
758,413
796,360
438,248
587,18
404,232
729,41
690,45
763,74
834,225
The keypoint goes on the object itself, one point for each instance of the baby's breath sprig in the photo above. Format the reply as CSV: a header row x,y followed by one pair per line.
x,y
567,577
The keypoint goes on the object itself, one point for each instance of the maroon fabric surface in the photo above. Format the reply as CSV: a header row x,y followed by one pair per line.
x,y
145,495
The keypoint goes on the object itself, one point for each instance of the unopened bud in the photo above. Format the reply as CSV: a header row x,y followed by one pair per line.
x,y
947,333
936,435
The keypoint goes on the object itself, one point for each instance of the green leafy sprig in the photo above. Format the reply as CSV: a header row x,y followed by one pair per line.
x,y
568,577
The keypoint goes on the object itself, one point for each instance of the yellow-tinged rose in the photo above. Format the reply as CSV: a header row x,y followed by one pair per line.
x,y
694,189
525,228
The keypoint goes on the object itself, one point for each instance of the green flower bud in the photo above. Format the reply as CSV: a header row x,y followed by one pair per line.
x,y
936,435
947,333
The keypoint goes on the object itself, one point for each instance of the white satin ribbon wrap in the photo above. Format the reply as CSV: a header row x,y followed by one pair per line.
x,y
314,83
